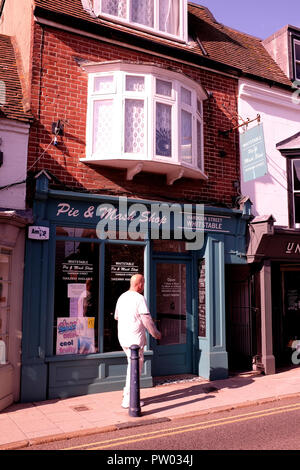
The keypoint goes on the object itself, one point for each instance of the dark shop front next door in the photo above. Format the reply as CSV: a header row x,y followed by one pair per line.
x,y
171,302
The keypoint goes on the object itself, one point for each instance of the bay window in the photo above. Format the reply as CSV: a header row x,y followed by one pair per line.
x,y
144,118
164,17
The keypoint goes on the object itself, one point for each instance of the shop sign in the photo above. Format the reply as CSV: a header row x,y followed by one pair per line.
x,y
77,270
136,221
253,153
123,270
38,233
208,223
292,248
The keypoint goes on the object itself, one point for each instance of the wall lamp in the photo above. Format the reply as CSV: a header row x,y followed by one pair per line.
x,y
57,129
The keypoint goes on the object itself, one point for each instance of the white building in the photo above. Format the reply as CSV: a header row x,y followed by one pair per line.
x,y
273,278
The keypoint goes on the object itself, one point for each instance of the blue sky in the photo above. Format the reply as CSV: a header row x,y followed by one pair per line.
x,y
260,18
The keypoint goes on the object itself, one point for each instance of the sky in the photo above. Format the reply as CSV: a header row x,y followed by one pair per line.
x,y
259,18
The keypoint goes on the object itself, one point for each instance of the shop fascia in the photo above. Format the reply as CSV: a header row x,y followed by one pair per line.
x,y
138,220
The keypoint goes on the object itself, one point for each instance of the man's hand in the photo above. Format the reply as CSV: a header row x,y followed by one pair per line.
x,y
150,326
158,335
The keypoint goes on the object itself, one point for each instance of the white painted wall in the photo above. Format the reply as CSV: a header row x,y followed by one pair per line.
x,y
14,145
281,119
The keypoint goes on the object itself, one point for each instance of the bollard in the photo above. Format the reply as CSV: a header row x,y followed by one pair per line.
x,y
134,396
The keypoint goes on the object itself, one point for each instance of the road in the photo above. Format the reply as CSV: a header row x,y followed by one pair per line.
x,y
272,426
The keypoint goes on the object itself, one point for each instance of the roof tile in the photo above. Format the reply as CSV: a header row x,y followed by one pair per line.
x,y
221,43
11,105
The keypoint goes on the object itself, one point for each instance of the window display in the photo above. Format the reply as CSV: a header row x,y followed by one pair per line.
x,y
76,297
121,262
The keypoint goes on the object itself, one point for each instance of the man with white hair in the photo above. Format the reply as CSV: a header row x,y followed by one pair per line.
x,y
134,319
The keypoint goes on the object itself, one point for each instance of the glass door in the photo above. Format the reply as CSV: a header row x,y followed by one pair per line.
x,y
172,312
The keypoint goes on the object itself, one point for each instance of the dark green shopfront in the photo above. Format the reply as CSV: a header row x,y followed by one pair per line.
x,y
73,279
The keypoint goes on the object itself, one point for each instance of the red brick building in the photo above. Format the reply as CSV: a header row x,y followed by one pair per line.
x,y
129,101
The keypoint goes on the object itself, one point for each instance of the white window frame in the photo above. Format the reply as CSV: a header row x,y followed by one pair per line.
x,y
182,37
120,71
296,61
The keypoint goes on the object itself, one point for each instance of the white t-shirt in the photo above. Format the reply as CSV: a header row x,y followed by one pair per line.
x,y
131,330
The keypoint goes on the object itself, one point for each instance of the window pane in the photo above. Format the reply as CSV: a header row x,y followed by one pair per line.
x,y
103,126
298,70
297,208
121,262
135,83
297,51
171,308
186,137
169,16
76,297
199,107
142,12
104,84
171,246
163,130
134,126
76,232
163,88
186,96
115,7
199,145
296,165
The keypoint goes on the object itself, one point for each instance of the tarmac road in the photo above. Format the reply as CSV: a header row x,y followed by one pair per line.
x,y
272,426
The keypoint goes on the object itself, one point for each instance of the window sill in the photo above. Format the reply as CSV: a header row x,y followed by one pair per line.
x,y
173,171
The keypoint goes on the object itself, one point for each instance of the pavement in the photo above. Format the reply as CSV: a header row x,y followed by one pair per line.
x,y
171,398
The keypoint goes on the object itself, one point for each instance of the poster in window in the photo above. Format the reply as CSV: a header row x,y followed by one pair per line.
x,y
75,335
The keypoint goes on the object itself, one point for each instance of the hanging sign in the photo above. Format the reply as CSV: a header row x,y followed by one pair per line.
x,y
253,153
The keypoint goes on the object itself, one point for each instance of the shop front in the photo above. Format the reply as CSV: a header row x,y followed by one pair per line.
x,y
81,252
12,241
274,253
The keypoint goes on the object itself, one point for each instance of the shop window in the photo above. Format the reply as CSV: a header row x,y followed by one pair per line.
x,y
291,317
121,262
144,118
76,303
164,17
5,287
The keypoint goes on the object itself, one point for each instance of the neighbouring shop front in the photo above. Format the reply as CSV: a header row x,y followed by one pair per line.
x,y
274,260
74,276
12,241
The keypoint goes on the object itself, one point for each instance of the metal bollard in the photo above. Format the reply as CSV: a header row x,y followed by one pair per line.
x,y
134,397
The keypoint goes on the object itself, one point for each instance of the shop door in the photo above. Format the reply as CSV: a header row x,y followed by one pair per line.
x,y
172,311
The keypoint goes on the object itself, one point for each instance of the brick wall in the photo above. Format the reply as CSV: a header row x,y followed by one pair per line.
x,y
59,91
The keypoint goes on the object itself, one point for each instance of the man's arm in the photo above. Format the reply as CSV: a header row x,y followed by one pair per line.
x,y
150,326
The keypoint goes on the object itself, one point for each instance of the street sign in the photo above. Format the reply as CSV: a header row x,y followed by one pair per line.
x,y
38,233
